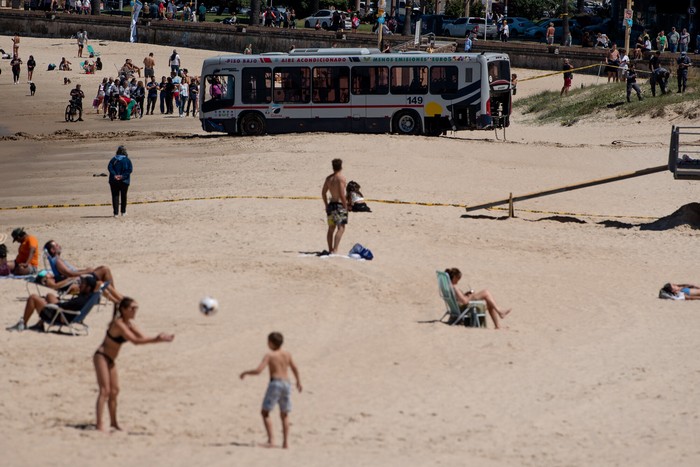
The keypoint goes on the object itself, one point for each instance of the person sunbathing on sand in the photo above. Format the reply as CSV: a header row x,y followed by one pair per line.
x,y
463,298
682,291
121,329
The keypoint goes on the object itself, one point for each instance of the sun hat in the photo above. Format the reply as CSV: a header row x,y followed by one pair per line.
x,y
3,237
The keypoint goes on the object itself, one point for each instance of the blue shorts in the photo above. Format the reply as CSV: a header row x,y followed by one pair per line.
x,y
278,391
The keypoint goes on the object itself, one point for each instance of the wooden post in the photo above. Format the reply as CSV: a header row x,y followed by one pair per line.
x,y
511,211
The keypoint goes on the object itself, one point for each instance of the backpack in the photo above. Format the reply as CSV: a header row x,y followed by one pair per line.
x,y
51,67
361,251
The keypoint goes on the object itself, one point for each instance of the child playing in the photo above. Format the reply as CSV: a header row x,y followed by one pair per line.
x,y
279,390
355,198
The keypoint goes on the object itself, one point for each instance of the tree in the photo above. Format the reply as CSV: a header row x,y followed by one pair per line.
x,y
254,13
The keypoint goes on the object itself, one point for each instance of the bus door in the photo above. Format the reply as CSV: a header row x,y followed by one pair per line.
x,y
291,98
500,92
331,109
217,102
370,92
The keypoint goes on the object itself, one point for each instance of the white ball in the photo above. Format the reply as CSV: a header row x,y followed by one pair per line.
x,y
208,306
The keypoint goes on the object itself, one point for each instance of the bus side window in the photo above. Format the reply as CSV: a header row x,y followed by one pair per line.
x,y
468,75
292,84
443,80
330,84
256,86
409,80
370,80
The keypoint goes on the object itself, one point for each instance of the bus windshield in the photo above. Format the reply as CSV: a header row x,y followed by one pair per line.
x,y
499,70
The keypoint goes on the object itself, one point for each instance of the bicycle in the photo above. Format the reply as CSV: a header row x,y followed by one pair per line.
x,y
72,111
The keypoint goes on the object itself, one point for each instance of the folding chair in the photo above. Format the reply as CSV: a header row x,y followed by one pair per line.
x,y
92,52
53,315
474,315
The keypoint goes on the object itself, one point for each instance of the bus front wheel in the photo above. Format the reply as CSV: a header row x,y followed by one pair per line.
x,y
252,124
407,123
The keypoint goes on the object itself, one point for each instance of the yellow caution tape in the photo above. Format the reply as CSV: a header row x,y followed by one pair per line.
x,y
577,69
308,198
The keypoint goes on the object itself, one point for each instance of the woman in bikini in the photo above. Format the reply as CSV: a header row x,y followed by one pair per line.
x,y
120,330
463,298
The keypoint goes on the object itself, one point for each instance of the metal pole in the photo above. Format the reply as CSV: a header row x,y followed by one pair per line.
x,y
511,199
196,12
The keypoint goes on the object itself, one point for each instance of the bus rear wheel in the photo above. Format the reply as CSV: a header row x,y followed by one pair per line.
x,y
252,124
407,123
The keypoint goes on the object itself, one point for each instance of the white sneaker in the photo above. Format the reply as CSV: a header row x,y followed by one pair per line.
x,y
116,215
123,214
19,327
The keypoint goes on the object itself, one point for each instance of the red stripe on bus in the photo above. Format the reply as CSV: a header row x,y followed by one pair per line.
x,y
301,107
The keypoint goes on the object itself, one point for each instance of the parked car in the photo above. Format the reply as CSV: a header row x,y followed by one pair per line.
x,y
461,26
539,32
517,26
325,18
616,32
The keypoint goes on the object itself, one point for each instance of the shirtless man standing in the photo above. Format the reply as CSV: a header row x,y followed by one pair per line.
x,y
337,208
149,64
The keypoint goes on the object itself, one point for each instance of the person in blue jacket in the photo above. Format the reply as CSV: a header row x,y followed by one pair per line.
x,y
120,169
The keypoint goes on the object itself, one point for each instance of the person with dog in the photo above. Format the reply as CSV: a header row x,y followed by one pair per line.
x,y
31,64
16,64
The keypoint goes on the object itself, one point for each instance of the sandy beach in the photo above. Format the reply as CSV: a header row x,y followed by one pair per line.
x,y
593,369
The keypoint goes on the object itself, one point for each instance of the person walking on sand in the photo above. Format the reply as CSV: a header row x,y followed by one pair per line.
x,y
463,298
15,44
120,330
568,76
31,64
120,169
149,65
82,39
337,207
279,389
174,62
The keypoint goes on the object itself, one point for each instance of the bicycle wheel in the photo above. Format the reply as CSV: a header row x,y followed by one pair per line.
x,y
70,115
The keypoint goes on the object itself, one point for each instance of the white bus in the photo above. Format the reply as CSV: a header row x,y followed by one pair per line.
x,y
356,91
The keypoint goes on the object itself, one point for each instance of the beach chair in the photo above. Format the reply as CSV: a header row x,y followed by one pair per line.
x,y
91,52
55,316
474,315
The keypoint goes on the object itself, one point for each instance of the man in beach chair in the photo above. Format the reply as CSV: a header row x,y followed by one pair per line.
x,y
473,315
56,313
62,270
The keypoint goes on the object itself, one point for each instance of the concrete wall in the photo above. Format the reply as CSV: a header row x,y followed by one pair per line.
x,y
216,36
213,36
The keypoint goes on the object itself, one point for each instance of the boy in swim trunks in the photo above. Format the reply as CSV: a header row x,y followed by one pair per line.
x,y
337,207
279,390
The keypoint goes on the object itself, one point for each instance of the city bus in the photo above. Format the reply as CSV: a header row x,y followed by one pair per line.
x,y
355,91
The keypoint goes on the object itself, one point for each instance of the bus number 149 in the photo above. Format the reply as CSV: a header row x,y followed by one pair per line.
x,y
414,100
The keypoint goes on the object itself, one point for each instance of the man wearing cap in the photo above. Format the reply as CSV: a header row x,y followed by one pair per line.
x,y
38,303
27,260
683,64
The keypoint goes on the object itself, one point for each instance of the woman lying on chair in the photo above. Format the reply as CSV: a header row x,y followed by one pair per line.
x,y
680,292
463,298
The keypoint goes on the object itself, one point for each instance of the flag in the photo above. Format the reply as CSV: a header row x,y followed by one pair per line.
x,y
134,19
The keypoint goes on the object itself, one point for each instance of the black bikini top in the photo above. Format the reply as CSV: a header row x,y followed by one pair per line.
x,y
118,339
